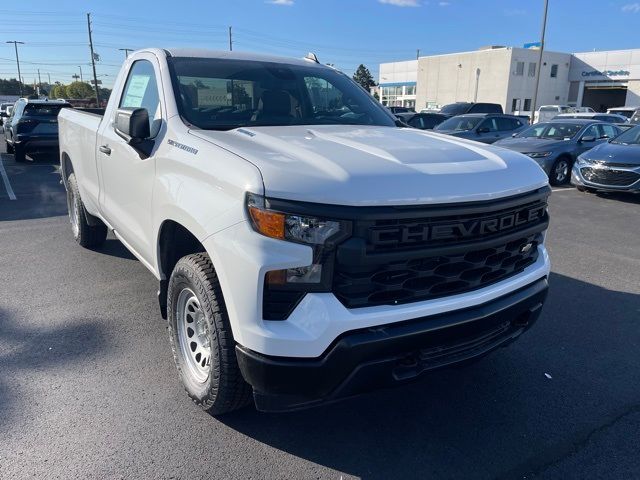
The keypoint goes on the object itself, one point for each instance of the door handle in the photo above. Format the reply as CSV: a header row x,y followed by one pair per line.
x,y
105,149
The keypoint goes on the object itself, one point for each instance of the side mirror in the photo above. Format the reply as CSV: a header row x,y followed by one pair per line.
x,y
588,138
483,130
133,123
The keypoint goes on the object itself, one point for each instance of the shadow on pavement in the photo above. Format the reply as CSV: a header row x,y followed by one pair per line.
x,y
115,248
482,421
25,349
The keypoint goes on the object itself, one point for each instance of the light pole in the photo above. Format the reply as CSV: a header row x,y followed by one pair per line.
x,y
80,67
535,92
15,44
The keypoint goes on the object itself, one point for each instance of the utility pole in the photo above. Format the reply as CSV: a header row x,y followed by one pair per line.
x,y
418,54
230,40
126,51
80,67
538,71
49,77
15,44
39,82
93,61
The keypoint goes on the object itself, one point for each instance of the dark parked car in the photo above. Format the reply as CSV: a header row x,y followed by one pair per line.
x,y
482,127
614,165
555,145
32,127
460,108
396,110
423,121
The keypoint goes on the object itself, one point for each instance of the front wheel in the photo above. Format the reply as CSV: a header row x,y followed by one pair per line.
x,y
560,171
201,337
87,235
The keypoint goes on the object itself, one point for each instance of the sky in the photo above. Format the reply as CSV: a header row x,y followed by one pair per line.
x,y
345,33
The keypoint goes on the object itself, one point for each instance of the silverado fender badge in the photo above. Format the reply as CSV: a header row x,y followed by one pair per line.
x,y
181,146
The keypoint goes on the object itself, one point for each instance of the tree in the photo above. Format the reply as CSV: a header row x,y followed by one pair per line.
x,y
12,87
363,77
79,90
58,91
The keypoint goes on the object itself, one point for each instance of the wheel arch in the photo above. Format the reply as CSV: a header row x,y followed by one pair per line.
x,y
174,241
66,167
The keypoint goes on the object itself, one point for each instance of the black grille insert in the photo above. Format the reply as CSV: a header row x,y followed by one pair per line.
x,y
618,178
428,254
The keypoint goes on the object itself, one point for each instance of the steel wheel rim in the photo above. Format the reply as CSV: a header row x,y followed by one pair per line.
x,y
72,206
562,170
193,335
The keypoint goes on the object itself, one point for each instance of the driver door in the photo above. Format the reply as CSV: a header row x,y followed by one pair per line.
x,y
128,177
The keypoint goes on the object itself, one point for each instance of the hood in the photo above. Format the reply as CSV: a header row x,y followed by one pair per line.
x,y
370,165
615,153
531,144
455,133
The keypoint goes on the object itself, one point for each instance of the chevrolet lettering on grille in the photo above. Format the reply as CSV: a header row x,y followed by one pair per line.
x,y
462,230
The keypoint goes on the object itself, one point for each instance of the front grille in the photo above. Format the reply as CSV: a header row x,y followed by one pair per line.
x,y
618,178
435,252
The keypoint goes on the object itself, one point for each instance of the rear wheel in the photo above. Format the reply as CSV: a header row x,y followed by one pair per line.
x,y
201,337
560,171
87,235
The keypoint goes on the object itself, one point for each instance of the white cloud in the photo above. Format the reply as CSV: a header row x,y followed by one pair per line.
x,y
444,4
287,3
631,7
402,3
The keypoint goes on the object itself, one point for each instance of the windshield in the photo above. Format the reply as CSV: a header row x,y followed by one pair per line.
x,y
630,137
460,124
221,94
455,108
552,131
44,109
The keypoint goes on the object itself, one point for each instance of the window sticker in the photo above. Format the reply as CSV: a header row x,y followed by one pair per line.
x,y
135,91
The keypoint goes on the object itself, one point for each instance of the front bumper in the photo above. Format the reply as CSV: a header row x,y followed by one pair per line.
x,y
578,180
388,355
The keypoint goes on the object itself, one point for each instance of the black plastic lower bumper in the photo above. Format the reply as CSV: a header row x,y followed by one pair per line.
x,y
377,357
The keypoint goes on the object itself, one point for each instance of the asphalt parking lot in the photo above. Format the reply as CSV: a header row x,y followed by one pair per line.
x,y
88,388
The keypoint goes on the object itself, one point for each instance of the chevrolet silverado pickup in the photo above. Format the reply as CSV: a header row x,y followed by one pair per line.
x,y
307,247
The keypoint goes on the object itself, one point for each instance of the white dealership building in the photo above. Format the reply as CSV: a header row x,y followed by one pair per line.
x,y
506,75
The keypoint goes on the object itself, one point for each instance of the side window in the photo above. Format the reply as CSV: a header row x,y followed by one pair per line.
x,y
416,122
505,124
141,91
608,131
430,121
592,131
490,123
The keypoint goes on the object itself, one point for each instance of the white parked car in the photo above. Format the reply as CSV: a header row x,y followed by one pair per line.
x,y
306,247
549,112
626,112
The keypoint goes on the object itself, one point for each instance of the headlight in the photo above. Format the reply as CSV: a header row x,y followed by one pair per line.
x,y
291,227
538,154
583,161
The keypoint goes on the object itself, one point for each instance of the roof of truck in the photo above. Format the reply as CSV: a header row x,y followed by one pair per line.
x,y
235,55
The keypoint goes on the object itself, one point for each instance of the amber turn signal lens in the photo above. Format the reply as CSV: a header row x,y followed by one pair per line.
x,y
268,223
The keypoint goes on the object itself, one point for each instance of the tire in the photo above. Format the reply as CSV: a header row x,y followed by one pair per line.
x,y
210,376
560,171
19,155
586,189
86,235
9,147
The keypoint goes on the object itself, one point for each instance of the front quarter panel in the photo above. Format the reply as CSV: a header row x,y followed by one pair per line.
x,y
199,185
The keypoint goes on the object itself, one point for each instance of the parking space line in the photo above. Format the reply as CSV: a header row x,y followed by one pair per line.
x,y
7,183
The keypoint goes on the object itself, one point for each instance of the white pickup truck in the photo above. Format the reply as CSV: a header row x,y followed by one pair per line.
x,y
307,246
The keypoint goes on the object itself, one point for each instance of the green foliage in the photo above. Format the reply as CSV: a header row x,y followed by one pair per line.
x,y
363,77
12,87
58,91
79,90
